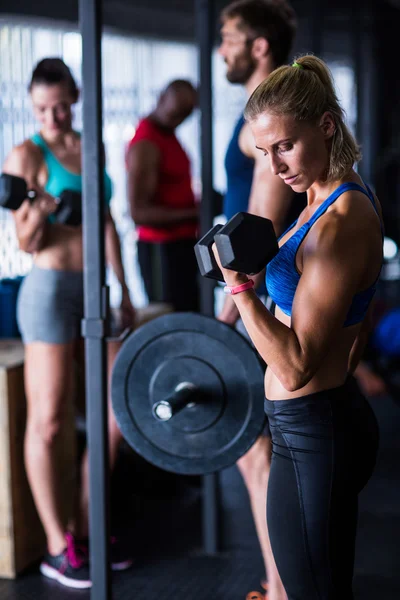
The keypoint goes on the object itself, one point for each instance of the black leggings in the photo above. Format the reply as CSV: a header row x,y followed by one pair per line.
x,y
170,273
324,452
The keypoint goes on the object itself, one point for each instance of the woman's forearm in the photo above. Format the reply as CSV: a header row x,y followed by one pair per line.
x,y
31,227
229,312
276,343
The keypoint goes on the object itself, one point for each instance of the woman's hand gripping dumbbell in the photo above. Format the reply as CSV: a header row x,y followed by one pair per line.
x,y
246,244
67,208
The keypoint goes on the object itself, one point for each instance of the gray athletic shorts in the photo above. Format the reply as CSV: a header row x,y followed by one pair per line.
x,y
50,306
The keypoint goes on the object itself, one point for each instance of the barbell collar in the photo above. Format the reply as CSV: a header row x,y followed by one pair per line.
x,y
183,396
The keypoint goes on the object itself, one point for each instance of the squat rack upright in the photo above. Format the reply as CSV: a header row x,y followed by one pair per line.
x,y
96,292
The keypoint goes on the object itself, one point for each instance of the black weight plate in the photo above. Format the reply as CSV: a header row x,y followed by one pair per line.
x,y
186,347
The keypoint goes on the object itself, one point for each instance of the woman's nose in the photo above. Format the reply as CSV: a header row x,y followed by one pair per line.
x,y
276,165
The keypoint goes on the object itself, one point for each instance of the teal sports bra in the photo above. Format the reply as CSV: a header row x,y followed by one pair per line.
x,y
60,178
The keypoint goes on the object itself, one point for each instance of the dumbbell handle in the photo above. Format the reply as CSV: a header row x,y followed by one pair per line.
x,y
33,194
183,396
68,206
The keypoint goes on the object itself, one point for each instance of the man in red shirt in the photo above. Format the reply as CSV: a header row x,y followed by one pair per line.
x,y
162,202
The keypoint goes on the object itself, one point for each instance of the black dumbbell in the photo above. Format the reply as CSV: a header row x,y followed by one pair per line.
x,y
13,191
205,257
246,244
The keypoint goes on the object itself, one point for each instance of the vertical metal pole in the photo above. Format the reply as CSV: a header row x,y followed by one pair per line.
x,y
93,326
204,31
316,27
205,28
367,73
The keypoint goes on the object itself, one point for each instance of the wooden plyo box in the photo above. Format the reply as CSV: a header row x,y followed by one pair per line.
x,y
22,539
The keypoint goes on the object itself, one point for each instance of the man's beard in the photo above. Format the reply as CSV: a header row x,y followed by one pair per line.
x,y
242,70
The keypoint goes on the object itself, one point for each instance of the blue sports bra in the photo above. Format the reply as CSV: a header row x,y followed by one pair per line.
x,y
282,276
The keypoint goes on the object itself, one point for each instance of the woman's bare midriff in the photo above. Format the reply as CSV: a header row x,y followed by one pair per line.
x,y
63,249
332,373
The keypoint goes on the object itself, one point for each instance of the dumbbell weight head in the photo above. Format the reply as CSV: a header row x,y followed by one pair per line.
x,y
247,243
69,211
205,257
13,191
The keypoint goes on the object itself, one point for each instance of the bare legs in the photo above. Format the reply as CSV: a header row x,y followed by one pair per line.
x,y
254,467
48,369
48,381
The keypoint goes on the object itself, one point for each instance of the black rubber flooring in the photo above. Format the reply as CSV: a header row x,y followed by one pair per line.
x,y
162,518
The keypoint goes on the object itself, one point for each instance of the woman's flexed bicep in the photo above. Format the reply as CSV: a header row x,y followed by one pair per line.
x,y
334,263
31,217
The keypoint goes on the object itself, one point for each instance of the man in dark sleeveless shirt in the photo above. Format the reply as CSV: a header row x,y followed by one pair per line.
x,y
256,38
162,202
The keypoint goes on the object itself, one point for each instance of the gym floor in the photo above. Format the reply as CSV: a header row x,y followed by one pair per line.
x,y
161,515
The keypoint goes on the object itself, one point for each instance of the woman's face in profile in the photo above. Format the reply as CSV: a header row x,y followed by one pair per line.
x,y
52,107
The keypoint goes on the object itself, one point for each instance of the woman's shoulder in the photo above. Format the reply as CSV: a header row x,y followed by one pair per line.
x,y
360,204
352,216
27,150
24,159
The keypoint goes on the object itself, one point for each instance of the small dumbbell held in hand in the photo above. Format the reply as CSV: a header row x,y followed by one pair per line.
x,y
14,193
14,190
205,257
246,244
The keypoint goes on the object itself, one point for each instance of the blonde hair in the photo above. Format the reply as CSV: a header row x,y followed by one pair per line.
x,y
306,91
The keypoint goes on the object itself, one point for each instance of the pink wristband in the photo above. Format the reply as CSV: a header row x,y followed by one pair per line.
x,y
239,288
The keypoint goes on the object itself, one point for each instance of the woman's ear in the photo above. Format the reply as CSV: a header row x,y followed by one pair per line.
x,y
327,125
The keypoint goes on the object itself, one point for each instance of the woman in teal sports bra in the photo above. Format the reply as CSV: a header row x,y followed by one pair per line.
x,y
323,279
50,306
